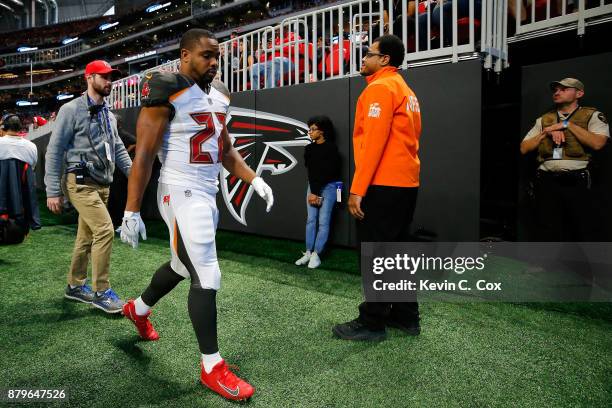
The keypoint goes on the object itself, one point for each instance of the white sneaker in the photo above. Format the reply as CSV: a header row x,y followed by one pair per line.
x,y
304,259
315,261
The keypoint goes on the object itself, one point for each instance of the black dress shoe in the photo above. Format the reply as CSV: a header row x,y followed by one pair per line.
x,y
355,330
412,328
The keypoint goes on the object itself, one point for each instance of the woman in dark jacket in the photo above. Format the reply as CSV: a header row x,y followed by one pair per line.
x,y
323,166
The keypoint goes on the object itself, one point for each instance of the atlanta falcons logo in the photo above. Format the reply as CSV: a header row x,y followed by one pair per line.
x,y
260,138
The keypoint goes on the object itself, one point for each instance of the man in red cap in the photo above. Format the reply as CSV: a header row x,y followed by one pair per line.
x,y
85,142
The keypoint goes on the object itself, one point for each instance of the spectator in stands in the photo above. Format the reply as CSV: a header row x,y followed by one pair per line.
x,y
86,144
322,161
397,17
236,49
258,69
18,203
261,65
540,7
282,63
565,139
442,20
38,121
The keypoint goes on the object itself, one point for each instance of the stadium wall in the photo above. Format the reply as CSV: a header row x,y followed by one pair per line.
x,y
448,204
448,207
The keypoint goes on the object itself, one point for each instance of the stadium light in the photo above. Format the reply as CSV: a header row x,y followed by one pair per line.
x,y
62,97
7,7
106,26
69,40
156,7
26,103
26,49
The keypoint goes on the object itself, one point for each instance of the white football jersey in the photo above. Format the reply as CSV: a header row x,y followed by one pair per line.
x,y
192,146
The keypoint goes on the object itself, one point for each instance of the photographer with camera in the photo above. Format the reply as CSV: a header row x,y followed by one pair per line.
x,y
81,157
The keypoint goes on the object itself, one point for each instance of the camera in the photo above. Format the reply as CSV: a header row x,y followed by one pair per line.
x,y
80,172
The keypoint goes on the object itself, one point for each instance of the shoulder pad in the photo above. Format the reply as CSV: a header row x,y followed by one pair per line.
x,y
156,88
220,86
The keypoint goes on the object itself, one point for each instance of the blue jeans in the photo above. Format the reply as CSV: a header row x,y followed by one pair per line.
x,y
317,224
258,70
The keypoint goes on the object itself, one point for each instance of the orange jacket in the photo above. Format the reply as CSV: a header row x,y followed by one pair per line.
x,y
386,134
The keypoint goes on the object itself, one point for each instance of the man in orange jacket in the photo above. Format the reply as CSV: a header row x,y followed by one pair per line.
x,y
386,180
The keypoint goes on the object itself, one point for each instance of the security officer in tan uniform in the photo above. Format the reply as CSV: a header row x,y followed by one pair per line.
x,y
565,139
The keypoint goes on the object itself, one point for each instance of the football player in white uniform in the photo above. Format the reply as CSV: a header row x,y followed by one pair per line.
x,y
183,120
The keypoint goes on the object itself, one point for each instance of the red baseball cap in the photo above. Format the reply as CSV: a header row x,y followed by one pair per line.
x,y
39,120
100,67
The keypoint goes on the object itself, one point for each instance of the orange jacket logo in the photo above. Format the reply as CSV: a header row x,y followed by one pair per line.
x,y
374,111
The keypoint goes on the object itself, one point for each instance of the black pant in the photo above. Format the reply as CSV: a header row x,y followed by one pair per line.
x,y
565,208
388,214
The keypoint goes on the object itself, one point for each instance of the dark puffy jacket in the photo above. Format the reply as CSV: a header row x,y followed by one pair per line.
x,y
18,202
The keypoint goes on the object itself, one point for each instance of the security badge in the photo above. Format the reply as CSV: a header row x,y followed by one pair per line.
x,y
108,152
557,153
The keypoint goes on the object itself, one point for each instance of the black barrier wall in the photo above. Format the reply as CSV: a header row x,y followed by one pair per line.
x,y
448,203
594,72
271,124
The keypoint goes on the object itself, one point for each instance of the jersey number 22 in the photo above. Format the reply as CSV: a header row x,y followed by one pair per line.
x,y
197,141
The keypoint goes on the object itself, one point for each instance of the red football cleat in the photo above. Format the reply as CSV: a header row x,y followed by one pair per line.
x,y
225,383
142,323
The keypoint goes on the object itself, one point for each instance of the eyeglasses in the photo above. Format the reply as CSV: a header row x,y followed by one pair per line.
x,y
373,54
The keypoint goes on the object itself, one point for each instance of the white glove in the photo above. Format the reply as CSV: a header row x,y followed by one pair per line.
x,y
264,191
131,226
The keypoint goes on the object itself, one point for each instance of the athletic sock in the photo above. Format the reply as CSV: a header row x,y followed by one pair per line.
x,y
141,307
210,360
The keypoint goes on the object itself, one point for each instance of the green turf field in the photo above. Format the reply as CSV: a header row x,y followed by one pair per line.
x,y
274,322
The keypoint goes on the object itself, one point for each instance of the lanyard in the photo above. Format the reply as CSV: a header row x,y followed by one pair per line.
x,y
103,117
568,116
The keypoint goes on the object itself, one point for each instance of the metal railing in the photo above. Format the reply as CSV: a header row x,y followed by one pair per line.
x,y
494,29
41,56
331,42
543,17
125,93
